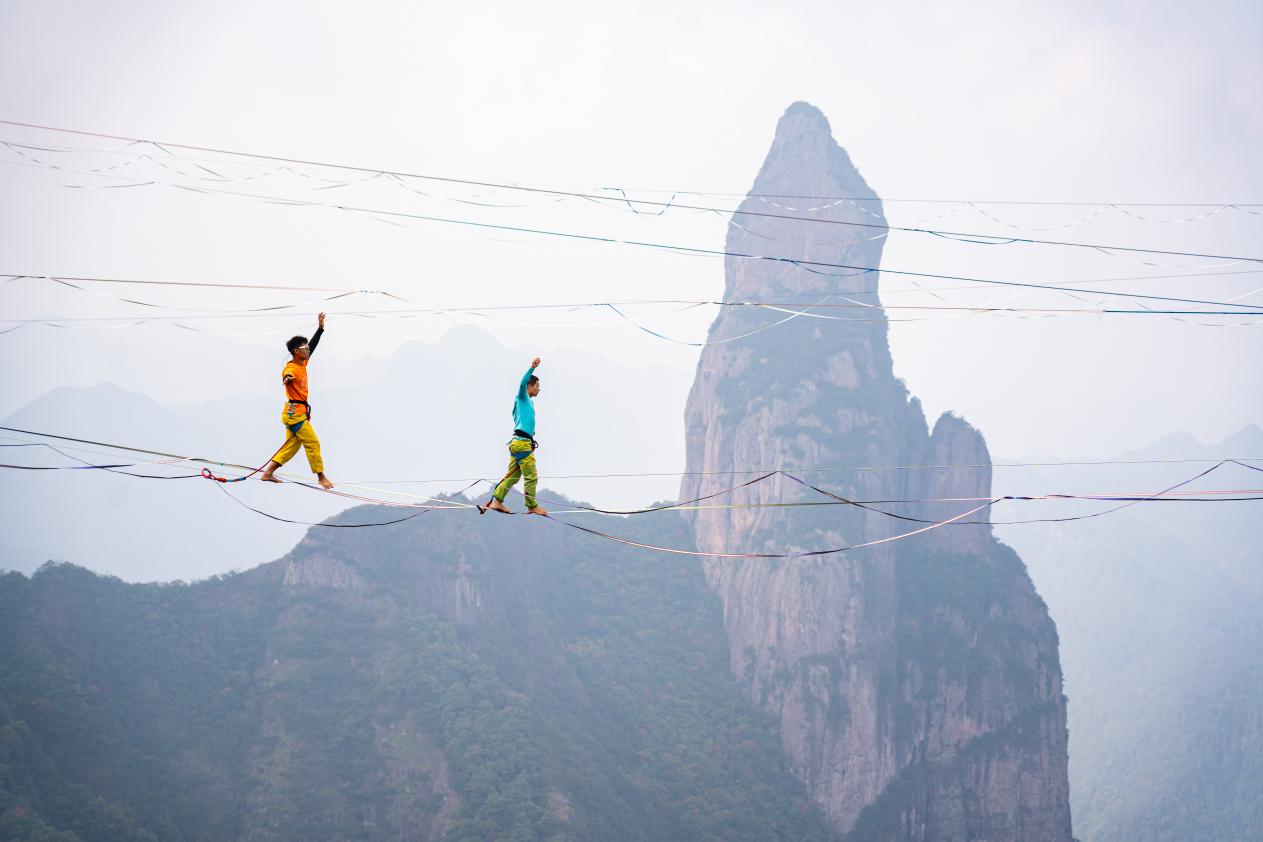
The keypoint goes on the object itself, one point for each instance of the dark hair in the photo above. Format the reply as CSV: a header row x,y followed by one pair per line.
x,y
532,381
295,342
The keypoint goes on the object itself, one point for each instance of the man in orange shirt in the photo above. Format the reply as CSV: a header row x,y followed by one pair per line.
x,y
296,416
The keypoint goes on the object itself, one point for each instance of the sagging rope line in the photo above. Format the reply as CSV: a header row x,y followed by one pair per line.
x,y
834,200
799,263
205,473
424,510
131,142
803,554
118,322
647,202
603,201
86,465
835,499
950,235
1127,501
662,508
838,500
221,285
808,469
1205,496
685,506
1239,460
834,550
62,452
699,553
259,310
476,312
378,216
704,252
223,487
216,463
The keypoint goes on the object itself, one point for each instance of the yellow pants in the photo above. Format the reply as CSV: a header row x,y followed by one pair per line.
x,y
304,438
521,465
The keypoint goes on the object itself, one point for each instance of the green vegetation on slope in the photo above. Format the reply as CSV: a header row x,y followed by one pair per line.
x,y
578,689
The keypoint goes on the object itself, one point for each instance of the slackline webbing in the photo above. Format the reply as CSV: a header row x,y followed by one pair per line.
x,y
928,525
594,197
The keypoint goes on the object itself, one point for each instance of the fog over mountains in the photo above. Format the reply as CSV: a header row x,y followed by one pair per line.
x,y
1157,609
466,677
909,692
431,411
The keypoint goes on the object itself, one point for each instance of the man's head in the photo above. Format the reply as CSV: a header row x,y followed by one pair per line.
x,y
532,386
297,346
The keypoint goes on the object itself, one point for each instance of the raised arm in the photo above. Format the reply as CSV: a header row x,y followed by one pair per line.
x,y
526,378
315,337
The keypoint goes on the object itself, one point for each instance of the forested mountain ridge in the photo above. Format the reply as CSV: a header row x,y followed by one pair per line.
x,y
449,677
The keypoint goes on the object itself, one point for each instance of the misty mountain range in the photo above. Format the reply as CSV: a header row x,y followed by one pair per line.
x,y
461,677
431,411
1157,609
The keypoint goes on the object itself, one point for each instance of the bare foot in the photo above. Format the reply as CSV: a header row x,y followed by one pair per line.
x,y
324,482
497,506
268,477
537,510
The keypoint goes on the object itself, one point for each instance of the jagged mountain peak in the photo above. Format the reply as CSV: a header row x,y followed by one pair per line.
x,y
805,160
803,120
809,204
864,657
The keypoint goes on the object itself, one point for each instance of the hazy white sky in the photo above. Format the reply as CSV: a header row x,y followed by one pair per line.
x,y
1117,102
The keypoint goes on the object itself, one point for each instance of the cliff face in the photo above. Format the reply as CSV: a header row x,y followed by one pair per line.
x,y
917,682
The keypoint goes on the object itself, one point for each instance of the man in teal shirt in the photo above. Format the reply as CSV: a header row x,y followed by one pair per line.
x,y
521,447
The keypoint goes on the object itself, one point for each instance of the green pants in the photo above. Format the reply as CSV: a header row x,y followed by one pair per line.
x,y
521,464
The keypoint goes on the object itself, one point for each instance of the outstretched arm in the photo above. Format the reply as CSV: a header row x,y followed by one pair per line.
x,y
315,337
526,378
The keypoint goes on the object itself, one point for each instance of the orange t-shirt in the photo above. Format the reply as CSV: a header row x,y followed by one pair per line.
x,y
295,389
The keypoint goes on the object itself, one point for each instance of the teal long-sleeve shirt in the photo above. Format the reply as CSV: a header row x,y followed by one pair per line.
x,y
524,407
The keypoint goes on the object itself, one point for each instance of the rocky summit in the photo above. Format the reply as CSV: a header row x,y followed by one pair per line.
x,y
916,682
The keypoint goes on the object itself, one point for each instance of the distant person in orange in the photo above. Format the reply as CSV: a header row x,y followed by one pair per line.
x,y
296,416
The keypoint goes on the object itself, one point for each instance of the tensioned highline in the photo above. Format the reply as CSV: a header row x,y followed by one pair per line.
x,y
378,214
69,281
220,285
646,202
796,468
1127,209
1205,495
171,459
958,519
805,265
678,191
783,307
796,308
475,311
478,315
1231,495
